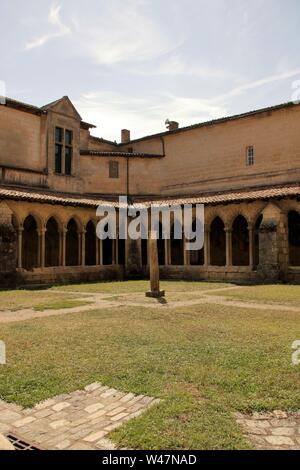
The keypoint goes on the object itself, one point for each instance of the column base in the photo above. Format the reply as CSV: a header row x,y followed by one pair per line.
x,y
156,294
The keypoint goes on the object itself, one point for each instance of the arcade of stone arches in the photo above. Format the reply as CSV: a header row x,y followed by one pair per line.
x,y
53,243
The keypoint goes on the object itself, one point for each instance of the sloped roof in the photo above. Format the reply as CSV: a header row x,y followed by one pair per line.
x,y
97,153
226,197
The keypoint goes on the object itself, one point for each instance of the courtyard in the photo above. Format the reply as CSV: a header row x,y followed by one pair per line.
x,y
208,367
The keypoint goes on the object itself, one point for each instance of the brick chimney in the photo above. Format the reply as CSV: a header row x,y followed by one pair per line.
x,y
172,125
125,136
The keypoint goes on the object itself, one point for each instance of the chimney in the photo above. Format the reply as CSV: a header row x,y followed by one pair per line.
x,y
172,125
125,136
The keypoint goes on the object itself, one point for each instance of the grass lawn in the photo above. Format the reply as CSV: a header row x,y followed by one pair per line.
x,y
204,362
38,300
140,286
276,293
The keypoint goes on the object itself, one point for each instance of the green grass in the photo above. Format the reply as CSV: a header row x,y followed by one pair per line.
x,y
205,362
278,293
60,304
22,299
140,286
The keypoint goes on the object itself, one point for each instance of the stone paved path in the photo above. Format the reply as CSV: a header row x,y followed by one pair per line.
x,y
80,420
276,430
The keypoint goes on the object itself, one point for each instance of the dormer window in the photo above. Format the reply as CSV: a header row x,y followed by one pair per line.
x,y
63,151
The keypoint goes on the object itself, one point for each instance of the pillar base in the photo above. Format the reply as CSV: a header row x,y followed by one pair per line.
x,y
156,294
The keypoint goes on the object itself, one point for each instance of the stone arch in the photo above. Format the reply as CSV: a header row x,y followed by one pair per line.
x,y
30,243
90,244
294,238
52,242
240,241
72,243
217,242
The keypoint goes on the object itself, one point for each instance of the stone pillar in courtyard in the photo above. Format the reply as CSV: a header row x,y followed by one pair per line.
x,y
269,244
8,248
154,269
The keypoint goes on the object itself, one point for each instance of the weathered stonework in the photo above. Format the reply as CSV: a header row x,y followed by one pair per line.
x,y
8,248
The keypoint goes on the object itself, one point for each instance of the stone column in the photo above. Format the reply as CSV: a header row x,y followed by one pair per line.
x,y
83,247
97,251
101,251
79,247
251,245
228,232
20,246
269,268
166,252
186,253
154,269
41,234
206,247
64,236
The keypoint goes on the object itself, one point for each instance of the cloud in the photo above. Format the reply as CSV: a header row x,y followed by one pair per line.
x,y
54,20
257,83
112,112
124,31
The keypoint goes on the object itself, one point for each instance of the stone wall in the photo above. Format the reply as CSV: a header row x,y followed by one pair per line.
x,y
8,248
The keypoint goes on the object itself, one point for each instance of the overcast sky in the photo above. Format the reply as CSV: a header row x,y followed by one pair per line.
x,y
134,63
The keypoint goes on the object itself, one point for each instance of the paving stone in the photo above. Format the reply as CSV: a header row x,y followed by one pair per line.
x,y
45,404
116,411
59,424
283,431
63,445
24,421
8,416
279,440
92,387
119,417
94,436
93,408
60,406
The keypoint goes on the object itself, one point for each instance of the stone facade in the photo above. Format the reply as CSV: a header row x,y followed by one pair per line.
x,y
48,217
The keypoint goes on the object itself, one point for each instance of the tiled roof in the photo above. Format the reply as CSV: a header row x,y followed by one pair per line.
x,y
53,198
217,121
270,192
98,153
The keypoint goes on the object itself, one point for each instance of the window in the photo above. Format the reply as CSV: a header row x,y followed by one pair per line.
x,y
63,148
68,152
114,169
250,156
58,149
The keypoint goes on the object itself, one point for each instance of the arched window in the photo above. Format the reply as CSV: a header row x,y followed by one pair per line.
x,y
90,244
177,247
240,242
72,244
217,243
196,256
161,246
294,238
30,242
256,241
51,243
107,246
121,252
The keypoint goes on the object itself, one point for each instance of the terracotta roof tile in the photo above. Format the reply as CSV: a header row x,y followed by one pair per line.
x,y
291,190
98,153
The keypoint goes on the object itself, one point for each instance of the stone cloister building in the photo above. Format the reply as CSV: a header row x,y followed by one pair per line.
x,y
54,174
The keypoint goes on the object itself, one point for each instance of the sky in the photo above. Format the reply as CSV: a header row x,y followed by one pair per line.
x,y
135,63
